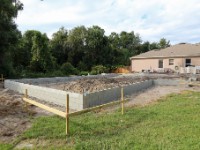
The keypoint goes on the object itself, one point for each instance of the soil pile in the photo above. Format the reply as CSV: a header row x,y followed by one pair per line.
x,y
95,84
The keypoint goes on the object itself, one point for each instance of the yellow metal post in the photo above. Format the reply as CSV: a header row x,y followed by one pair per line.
x,y
67,114
122,99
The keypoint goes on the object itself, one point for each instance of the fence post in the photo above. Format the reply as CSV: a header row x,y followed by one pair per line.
x,y
122,99
67,114
26,96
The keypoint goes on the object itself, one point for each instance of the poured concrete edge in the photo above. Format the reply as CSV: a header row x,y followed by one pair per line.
x,y
105,96
81,101
37,81
47,94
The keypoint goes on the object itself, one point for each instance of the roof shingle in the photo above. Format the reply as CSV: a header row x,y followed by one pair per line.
x,y
179,50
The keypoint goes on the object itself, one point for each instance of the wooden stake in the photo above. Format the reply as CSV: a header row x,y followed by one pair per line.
x,y
26,93
26,96
122,99
67,114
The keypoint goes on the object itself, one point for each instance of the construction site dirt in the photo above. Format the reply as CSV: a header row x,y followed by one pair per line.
x,y
14,119
96,84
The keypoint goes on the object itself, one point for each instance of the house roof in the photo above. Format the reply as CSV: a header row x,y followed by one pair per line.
x,y
179,50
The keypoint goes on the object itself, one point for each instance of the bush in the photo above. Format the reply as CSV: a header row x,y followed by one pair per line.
x,y
82,66
29,74
69,69
83,73
57,73
98,69
36,66
93,72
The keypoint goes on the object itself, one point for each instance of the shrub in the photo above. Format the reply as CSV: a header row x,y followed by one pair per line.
x,y
68,69
98,69
84,73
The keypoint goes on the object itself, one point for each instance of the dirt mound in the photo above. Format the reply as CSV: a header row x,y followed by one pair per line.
x,y
95,84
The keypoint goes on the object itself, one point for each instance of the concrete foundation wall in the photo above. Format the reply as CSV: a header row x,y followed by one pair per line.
x,y
166,82
81,101
60,79
47,94
109,95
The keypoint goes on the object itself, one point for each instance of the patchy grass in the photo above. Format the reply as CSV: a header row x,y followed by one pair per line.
x,y
5,146
172,123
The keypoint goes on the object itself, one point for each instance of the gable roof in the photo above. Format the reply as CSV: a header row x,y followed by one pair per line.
x,y
179,50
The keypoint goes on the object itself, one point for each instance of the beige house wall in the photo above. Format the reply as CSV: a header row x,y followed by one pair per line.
x,y
195,61
137,65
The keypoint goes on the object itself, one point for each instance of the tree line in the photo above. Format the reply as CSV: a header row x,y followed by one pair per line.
x,y
80,51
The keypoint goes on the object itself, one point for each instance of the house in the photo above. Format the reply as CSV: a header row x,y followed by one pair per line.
x,y
171,58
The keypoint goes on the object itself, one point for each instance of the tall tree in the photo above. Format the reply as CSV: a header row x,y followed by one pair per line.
x,y
114,40
59,46
97,46
8,33
154,46
163,43
77,45
128,45
37,46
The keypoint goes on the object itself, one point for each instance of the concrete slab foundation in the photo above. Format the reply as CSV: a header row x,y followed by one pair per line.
x,y
79,101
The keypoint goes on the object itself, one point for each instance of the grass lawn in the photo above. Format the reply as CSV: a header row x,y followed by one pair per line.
x,y
171,123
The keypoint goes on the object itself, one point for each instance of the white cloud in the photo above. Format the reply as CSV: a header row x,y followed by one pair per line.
x,y
176,20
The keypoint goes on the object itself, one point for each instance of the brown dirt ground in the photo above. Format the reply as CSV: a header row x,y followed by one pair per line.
x,y
14,119
95,84
100,83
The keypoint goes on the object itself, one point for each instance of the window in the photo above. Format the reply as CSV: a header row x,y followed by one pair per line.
x,y
171,61
160,63
187,62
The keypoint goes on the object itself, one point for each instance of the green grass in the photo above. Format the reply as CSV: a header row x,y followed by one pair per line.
x,y
5,146
172,123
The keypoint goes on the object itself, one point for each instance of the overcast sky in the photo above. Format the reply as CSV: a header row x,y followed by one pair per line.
x,y
175,20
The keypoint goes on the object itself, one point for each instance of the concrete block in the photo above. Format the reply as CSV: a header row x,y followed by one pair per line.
x,y
166,82
47,94
79,101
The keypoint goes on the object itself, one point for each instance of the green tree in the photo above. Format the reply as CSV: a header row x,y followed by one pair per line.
x,y
98,51
144,47
8,33
68,69
42,59
59,46
77,45
163,43
36,46
124,45
22,55
114,40
153,46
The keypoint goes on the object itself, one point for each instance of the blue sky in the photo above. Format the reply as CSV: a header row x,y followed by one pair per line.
x,y
175,20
